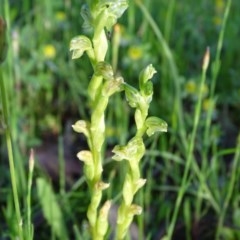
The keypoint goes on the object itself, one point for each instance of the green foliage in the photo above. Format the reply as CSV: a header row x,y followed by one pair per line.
x,y
43,90
51,208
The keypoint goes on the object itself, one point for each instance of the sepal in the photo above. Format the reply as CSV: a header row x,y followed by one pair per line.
x,y
146,74
82,126
79,45
155,124
132,95
102,222
114,10
87,158
112,86
133,150
105,70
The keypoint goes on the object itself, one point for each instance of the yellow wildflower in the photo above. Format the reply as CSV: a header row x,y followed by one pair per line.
x,y
191,87
208,103
49,51
219,6
60,16
217,20
135,52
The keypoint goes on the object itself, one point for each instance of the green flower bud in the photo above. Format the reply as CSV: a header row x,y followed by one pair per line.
x,y
146,88
114,9
131,187
138,184
98,123
147,92
112,86
82,126
100,186
79,45
92,209
128,191
125,217
133,150
95,201
155,124
87,158
146,74
135,209
105,70
102,223
133,96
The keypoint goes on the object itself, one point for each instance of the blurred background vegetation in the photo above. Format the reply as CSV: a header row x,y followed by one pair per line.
x,y
47,93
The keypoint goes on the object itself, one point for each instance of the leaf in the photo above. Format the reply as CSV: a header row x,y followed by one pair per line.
x,y
51,209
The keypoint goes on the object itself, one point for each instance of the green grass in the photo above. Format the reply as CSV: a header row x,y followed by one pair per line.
x,y
192,171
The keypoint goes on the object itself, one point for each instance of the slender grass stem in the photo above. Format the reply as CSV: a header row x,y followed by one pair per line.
x,y
234,173
215,69
169,17
184,182
30,177
4,98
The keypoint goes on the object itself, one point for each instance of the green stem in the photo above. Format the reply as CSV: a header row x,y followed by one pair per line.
x,y
4,98
30,177
184,182
169,17
230,188
215,69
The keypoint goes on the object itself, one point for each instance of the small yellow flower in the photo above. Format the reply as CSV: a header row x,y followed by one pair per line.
x,y
208,103
217,20
191,87
219,6
60,16
135,52
49,51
